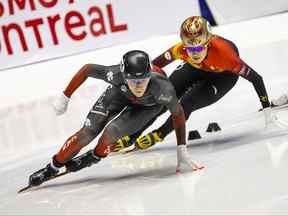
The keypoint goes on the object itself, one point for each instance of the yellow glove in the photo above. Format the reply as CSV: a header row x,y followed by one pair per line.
x,y
148,140
122,143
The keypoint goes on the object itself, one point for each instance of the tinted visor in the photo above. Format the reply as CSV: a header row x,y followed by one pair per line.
x,y
136,75
137,82
196,49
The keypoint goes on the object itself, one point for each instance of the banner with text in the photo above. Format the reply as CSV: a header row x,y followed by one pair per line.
x,y
37,30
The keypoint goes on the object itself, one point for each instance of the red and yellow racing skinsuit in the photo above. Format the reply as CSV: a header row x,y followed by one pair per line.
x,y
222,56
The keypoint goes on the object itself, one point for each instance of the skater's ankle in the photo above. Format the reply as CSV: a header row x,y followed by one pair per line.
x,y
55,164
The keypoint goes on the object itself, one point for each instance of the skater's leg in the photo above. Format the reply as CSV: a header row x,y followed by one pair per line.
x,y
124,124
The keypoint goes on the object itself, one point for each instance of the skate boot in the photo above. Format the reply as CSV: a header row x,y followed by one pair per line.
x,y
42,175
82,161
148,140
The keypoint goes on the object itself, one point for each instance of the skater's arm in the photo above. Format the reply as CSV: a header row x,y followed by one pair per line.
x,y
177,112
178,120
159,70
252,76
259,87
164,59
238,66
88,70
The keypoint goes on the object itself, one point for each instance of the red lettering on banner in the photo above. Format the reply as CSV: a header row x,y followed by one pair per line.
x,y
73,23
35,26
1,9
49,3
17,28
114,28
52,26
21,5
70,24
99,22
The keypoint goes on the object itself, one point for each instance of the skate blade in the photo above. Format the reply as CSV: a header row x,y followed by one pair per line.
x,y
24,189
31,186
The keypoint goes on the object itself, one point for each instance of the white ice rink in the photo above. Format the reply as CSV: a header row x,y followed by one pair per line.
x,y
245,164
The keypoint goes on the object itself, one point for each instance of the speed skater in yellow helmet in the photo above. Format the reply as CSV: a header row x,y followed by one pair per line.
x,y
195,33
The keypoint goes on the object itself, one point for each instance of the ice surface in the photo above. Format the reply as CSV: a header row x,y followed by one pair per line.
x,y
245,174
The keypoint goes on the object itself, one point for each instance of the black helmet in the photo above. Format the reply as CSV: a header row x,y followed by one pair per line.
x,y
135,64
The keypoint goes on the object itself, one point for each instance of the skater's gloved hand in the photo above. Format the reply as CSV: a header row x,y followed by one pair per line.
x,y
184,163
283,99
61,103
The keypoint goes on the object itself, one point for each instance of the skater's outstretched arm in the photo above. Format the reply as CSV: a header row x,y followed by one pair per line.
x,y
89,70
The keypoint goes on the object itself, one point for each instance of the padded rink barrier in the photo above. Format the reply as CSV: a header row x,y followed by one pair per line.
x,y
33,125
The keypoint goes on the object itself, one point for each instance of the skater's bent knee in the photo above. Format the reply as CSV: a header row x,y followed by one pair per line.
x,y
86,135
113,132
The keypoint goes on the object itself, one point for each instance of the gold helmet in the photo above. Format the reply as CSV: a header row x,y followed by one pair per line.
x,y
195,31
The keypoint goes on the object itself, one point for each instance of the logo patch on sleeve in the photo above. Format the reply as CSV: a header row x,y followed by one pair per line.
x,y
109,76
87,123
165,98
123,88
167,55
